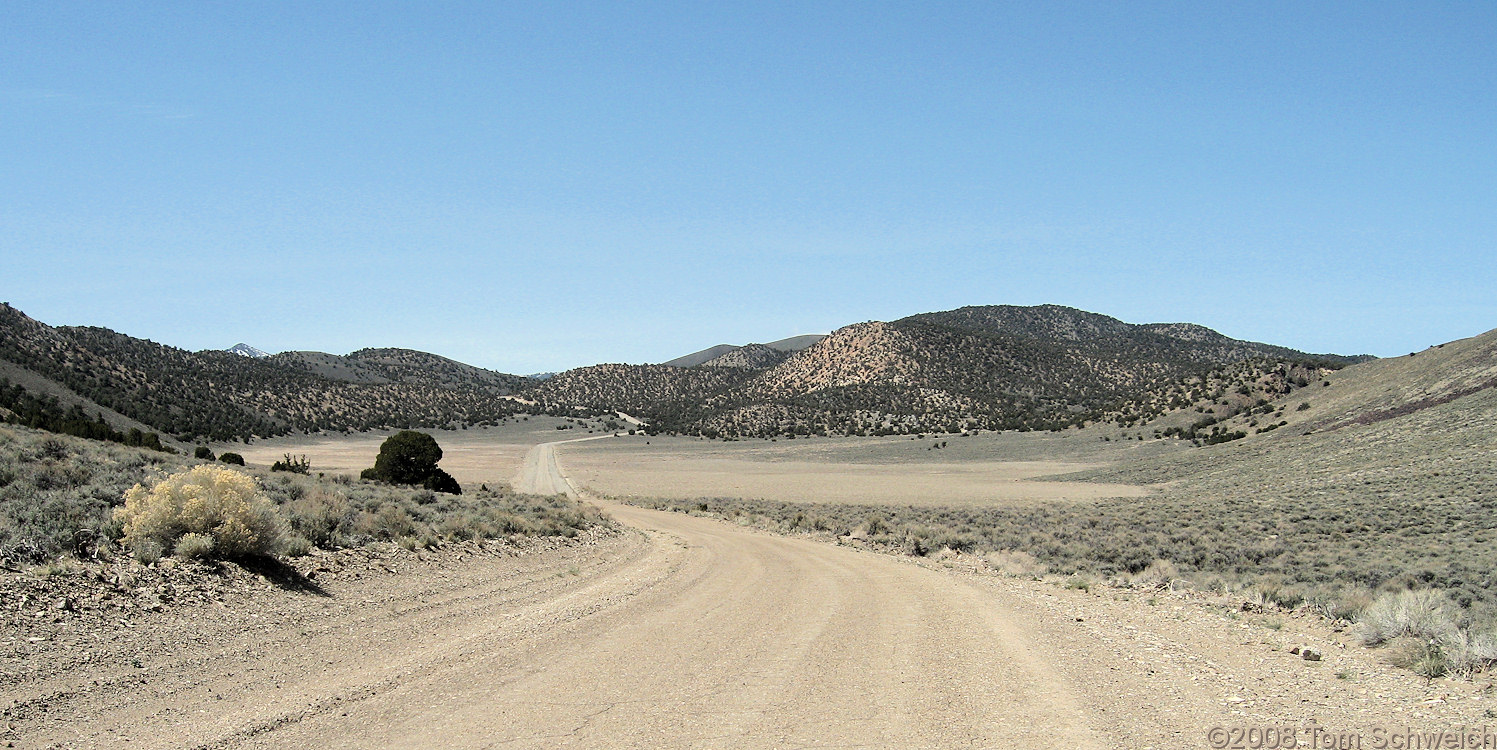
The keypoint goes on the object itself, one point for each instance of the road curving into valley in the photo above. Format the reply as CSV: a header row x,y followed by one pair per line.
x,y
689,632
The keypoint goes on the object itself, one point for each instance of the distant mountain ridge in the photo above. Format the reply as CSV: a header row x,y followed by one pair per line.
x,y
714,353
749,357
705,355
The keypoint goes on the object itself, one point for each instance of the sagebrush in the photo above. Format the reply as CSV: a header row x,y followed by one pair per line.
x,y
209,502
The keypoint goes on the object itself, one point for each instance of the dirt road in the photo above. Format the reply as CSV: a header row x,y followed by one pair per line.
x,y
541,475
688,632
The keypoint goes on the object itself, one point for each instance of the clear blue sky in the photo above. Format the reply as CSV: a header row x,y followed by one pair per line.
x,y
536,186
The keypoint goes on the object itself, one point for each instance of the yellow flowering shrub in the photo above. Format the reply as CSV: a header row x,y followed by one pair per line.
x,y
214,501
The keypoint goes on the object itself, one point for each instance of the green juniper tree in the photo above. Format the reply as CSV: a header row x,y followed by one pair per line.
x,y
410,457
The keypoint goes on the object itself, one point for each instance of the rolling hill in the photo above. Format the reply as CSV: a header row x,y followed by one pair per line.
x,y
1390,463
705,355
220,395
993,367
988,368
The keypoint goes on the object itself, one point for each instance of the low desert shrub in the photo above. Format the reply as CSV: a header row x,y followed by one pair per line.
x,y
231,458
222,504
147,551
295,545
1424,658
1081,582
1466,653
1344,604
319,515
1272,591
1426,615
388,523
61,496
1160,574
57,493
194,546
1422,633
1017,563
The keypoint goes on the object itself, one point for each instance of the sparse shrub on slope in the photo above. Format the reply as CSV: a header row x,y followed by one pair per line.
x,y
46,413
194,545
215,502
57,492
359,513
221,396
319,515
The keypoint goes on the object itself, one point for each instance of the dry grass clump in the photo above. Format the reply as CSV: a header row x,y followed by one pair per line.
x,y
1424,631
1426,615
1160,574
1467,653
1017,563
222,510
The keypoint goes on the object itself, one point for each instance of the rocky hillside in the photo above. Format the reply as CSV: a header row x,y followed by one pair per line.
x,y
221,396
402,366
995,367
1300,397
659,393
1100,336
705,355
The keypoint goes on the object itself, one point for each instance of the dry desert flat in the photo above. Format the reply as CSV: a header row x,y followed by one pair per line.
x,y
981,470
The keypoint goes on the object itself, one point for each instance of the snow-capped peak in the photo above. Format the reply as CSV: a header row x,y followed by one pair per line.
x,y
245,350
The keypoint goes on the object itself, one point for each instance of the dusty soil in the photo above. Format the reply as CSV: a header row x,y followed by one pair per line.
x,y
825,471
187,654
689,632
